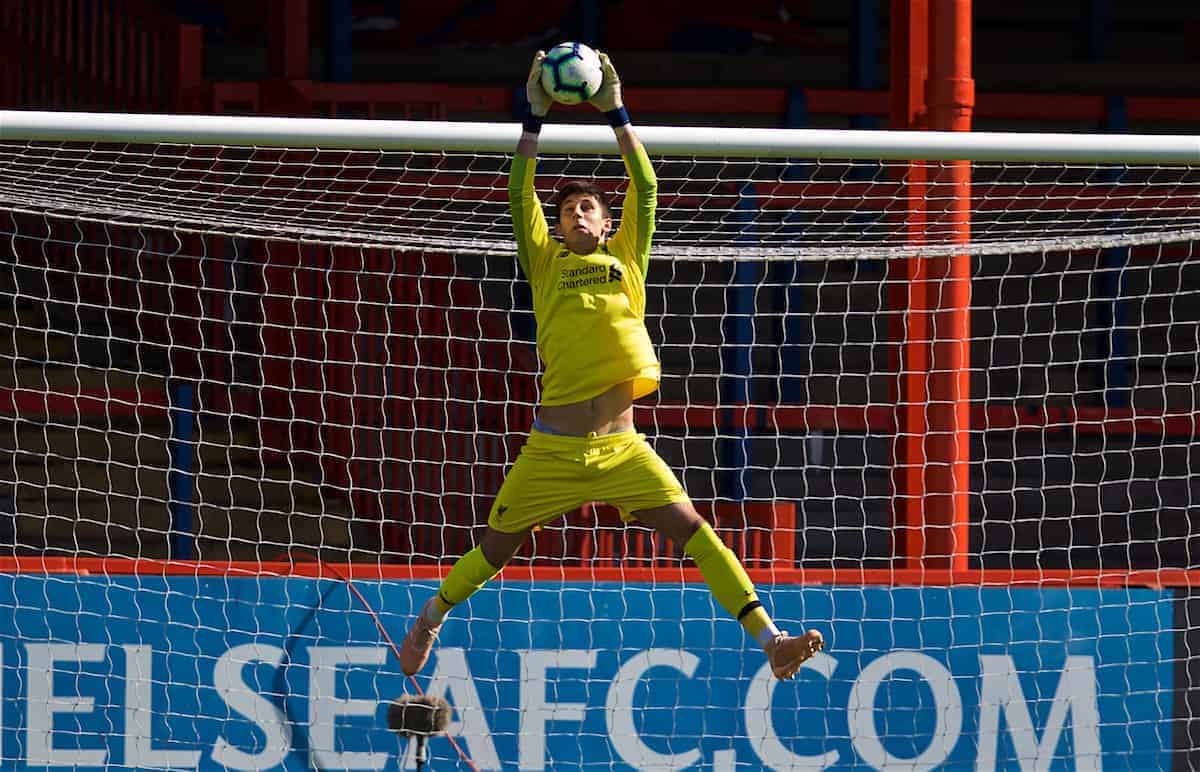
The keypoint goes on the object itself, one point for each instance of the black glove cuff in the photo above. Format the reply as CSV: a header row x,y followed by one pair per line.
x,y
617,118
532,123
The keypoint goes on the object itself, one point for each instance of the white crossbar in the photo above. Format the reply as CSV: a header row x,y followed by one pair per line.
x,y
558,138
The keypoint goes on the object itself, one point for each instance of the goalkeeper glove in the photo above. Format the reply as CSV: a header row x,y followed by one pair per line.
x,y
608,96
539,100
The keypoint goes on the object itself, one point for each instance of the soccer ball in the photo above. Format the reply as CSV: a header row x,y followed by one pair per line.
x,y
571,73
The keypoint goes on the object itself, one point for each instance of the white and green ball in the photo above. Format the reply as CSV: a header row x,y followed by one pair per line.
x,y
571,73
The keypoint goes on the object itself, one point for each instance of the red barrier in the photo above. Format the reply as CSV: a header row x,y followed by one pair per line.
x,y
762,533
885,577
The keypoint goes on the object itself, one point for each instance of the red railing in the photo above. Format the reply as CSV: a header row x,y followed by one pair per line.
x,y
782,419
884,577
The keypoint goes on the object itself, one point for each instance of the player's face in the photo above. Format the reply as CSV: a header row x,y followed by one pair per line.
x,y
583,223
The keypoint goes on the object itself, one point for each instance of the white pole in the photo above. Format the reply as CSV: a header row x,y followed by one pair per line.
x,y
17,125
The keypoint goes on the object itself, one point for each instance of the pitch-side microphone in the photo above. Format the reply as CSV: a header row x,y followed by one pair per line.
x,y
419,717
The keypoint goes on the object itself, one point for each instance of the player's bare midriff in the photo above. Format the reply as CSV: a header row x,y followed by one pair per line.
x,y
607,413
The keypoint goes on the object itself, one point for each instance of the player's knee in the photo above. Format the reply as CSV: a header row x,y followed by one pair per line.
x,y
689,520
499,547
678,522
690,526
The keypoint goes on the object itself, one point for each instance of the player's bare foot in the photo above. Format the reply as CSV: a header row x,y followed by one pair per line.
x,y
414,651
786,653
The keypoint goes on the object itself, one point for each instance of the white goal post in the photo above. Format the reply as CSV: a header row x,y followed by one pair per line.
x,y
726,142
940,391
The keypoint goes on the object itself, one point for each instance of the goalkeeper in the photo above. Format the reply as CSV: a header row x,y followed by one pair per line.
x,y
589,300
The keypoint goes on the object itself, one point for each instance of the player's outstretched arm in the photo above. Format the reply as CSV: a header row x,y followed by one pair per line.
x,y
528,221
641,198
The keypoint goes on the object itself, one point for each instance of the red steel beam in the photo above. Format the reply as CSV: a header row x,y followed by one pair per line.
x,y
950,97
910,329
795,419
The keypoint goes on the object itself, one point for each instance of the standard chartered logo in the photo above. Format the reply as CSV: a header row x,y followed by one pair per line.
x,y
591,274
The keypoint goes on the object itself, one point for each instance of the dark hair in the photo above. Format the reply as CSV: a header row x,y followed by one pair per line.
x,y
581,187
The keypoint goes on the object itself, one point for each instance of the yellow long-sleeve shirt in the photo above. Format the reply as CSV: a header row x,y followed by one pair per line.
x,y
590,309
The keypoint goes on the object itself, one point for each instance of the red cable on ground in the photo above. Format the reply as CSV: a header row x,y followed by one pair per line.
x,y
395,650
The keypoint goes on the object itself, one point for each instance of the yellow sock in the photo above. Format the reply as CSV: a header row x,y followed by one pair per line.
x,y
730,585
468,574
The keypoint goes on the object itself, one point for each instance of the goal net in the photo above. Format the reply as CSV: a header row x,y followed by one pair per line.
x,y
262,378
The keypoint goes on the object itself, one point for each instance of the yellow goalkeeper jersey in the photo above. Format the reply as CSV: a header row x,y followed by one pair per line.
x,y
590,309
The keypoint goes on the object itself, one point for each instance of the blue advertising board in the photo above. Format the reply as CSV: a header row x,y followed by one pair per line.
x,y
292,673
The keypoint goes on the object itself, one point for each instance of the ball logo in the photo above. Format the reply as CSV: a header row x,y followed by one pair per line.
x,y
571,73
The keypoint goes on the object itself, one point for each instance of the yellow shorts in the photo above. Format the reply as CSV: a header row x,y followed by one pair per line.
x,y
555,474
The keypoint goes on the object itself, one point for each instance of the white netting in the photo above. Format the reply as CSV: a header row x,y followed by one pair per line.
x,y
347,334
456,202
